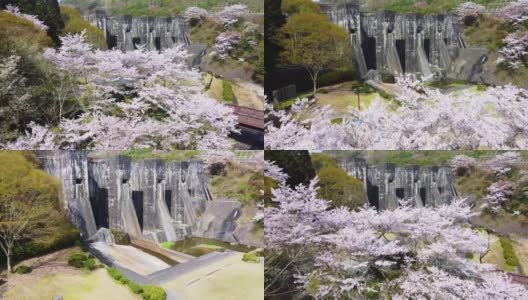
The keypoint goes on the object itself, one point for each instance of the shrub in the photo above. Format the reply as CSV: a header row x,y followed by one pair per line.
x,y
227,94
74,23
250,257
114,273
337,121
387,78
90,264
482,87
384,94
147,292
135,288
336,76
22,269
61,239
152,292
124,280
77,260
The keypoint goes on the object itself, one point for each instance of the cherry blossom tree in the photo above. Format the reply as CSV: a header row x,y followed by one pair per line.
x,y
515,12
469,12
461,164
14,96
229,15
33,19
502,163
275,172
225,42
514,50
418,118
136,99
219,157
409,252
499,193
194,16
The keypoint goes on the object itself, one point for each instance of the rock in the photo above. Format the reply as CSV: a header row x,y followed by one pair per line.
x,y
104,235
468,64
57,297
373,76
218,220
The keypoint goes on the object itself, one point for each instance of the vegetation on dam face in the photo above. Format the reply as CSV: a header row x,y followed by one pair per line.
x,y
154,7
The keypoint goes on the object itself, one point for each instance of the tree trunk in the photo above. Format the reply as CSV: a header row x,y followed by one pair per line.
x,y
8,264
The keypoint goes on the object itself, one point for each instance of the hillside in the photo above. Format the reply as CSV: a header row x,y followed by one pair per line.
x,y
155,7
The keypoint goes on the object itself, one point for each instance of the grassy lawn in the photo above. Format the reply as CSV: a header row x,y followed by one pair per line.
x,y
234,279
340,101
338,96
77,286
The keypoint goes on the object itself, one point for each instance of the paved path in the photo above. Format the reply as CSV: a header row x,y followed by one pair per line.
x,y
132,258
179,270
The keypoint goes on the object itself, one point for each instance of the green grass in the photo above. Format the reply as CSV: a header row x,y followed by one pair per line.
x,y
147,292
227,92
239,182
176,155
167,245
420,158
476,183
285,104
196,246
154,7
509,255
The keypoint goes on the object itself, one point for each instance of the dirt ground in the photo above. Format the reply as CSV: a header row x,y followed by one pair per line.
x,y
247,94
53,276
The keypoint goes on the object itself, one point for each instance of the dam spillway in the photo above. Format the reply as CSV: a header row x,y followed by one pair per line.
x,y
385,185
149,199
127,33
407,43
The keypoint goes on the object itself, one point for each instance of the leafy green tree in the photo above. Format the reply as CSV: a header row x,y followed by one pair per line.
x,y
273,20
291,7
29,206
74,23
336,185
297,164
311,41
46,10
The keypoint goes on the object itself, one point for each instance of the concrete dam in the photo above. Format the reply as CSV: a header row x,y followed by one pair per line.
x,y
385,185
407,43
148,199
127,33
